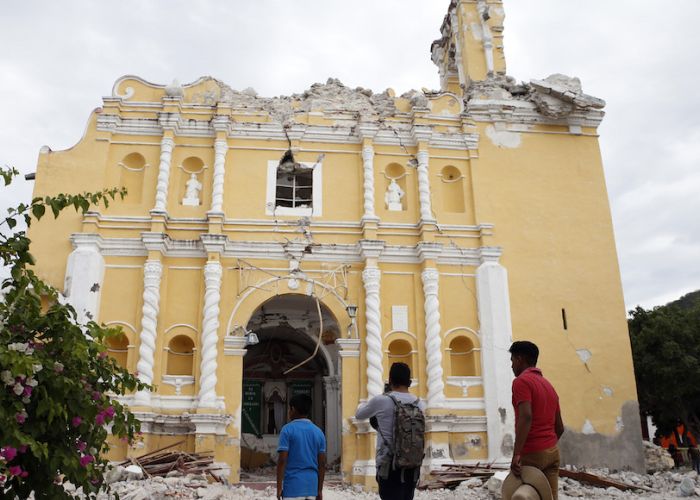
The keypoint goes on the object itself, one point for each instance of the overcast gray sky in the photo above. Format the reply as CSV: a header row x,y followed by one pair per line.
x,y
57,59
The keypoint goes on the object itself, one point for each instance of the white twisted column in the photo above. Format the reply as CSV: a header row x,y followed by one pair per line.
x,y
373,336
166,153
426,211
210,337
152,272
433,338
368,168
217,193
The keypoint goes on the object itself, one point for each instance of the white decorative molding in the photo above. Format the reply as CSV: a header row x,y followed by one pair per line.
x,y
486,35
210,329
433,338
217,196
368,185
166,151
496,337
426,211
84,277
399,318
152,272
316,210
373,334
464,383
272,250
177,381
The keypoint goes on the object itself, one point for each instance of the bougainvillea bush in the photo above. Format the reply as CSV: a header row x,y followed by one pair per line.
x,y
57,383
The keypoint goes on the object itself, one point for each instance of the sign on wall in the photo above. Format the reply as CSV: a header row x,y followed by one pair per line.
x,y
252,407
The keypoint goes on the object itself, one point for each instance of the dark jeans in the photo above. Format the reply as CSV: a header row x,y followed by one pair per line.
x,y
400,485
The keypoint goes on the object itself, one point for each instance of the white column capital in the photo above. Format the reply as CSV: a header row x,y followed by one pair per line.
x,y
429,250
371,249
214,243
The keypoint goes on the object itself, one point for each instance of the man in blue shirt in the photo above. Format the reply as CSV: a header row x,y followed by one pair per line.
x,y
301,462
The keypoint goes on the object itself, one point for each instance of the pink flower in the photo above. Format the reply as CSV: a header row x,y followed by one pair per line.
x,y
76,421
96,395
109,411
86,459
21,417
15,470
102,355
24,474
27,391
23,448
9,453
81,446
100,418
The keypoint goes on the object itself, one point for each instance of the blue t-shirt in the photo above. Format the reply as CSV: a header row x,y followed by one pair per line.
x,y
303,441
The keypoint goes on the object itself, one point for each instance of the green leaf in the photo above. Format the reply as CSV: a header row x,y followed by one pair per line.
x,y
38,211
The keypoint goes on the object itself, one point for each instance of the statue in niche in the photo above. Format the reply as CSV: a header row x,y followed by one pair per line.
x,y
191,198
393,197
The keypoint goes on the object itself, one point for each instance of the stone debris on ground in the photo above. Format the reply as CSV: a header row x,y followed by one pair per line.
x,y
660,485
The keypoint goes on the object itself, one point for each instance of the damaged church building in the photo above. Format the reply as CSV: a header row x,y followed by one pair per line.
x,y
302,244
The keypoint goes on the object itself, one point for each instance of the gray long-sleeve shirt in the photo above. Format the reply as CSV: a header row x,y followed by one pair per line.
x,y
382,407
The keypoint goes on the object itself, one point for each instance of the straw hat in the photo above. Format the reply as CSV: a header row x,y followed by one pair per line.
x,y
531,485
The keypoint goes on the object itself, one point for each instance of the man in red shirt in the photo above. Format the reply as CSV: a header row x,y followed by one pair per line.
x,y
538,423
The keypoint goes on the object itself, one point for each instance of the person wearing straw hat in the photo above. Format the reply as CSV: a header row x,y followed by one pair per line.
x,y
538,422
532,484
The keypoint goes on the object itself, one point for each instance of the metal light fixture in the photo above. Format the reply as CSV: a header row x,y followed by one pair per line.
x,y
251,338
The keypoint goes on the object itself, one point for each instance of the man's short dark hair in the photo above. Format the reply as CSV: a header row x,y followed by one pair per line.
x,y
301,403
400,375
526,349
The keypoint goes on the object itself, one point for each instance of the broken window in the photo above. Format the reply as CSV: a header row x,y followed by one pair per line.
x,y
294,188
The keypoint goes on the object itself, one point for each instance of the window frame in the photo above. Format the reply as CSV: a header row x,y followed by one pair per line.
x,y
315,210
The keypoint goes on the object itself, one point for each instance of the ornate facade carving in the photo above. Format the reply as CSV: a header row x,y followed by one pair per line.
x,y
152,272
217,196
433,338
373,335
210,334
166,151
426,211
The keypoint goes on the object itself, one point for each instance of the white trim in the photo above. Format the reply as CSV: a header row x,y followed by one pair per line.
x,y
124,323
316,209
171,327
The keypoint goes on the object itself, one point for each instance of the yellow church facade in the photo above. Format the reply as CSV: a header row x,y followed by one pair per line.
x,y
301,244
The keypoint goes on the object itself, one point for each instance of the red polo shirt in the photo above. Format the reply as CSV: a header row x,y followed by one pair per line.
x,y
531,386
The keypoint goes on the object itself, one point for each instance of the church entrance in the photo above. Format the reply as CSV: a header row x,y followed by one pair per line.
x,y
295,354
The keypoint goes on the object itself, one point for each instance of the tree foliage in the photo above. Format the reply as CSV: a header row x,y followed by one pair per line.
x,y
58,384
666,351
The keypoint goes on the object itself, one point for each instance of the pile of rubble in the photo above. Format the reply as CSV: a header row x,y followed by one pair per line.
x,y
658,486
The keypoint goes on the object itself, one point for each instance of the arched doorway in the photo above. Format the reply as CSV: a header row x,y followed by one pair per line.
x,y
283,364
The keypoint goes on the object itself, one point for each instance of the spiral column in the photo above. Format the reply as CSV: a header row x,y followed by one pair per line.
x,y
373,335
152,272
217,196
166,152
368,169
433,338
426,211
210,337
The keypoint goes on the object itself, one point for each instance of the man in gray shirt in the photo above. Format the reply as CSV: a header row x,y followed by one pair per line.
x,y
394,484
